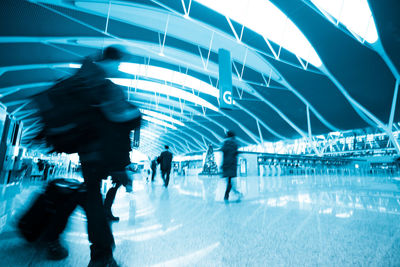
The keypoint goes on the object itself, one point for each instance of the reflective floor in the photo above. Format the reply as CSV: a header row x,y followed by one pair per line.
x,y
280,221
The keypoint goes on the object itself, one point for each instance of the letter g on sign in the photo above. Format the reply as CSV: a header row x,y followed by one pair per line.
x,y
227,96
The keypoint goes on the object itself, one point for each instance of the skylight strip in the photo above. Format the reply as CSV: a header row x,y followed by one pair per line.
x,y
161,116
354,14
151,133
74,65
164,89
269,21
168,75
159,122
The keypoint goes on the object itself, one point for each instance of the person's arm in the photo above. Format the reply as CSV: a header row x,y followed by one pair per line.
x,y
224,146
236,149
115,106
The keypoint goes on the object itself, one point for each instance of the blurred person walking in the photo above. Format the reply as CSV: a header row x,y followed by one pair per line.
x,y
153,167
97,127
106,155
165,160
229,163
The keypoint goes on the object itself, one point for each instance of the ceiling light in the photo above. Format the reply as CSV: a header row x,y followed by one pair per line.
x,y
157,121
354,14
161,116
164,89
168,75
266,19
74,66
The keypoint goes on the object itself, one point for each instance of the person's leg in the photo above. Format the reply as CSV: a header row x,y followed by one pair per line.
x,y
109,200
167,178
163,173
234,185
153,174
234,188
60,202
56,251
59,220
99,231
228,188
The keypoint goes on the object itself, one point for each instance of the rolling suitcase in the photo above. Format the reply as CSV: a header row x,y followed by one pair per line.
x,y
48,215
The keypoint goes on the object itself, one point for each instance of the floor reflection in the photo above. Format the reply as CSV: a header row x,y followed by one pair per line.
x,y
376,194
282,221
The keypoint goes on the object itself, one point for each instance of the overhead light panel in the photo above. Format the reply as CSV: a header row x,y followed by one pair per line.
x,y
74,66
161,116
354,14
159,122
164,74
164,89
270,22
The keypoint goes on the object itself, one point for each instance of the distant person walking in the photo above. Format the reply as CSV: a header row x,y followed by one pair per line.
x,y
153,167
229,163
165,160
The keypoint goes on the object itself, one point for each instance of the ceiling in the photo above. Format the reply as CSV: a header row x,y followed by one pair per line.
x,y
173,45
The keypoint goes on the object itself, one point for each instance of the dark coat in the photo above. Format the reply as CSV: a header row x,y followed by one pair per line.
x,y
229,161
112,144
165,160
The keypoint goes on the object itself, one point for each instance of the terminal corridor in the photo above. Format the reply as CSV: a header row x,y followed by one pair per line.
x,y
209,133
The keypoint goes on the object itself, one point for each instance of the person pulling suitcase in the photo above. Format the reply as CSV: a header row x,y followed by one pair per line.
x,y
97,127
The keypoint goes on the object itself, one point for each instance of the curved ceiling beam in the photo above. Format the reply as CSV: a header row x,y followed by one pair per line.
x,y
154,128
170,139
159,146
154,107
213,71
356,23
144,50
146,71
199,144
23,103
330,59
14,89
260,121
9,90
181,107
177,105
163,89
384,16
168,90
25,113
251,135
185,19
5,69
178,27
188,137
151,146
168,132
317,114
152,135
254,137
388,26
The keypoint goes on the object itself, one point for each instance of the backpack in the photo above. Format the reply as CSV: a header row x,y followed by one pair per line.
x,y
67,115
75,110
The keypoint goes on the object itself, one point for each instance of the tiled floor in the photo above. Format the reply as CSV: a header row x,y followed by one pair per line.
x,y
281,221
